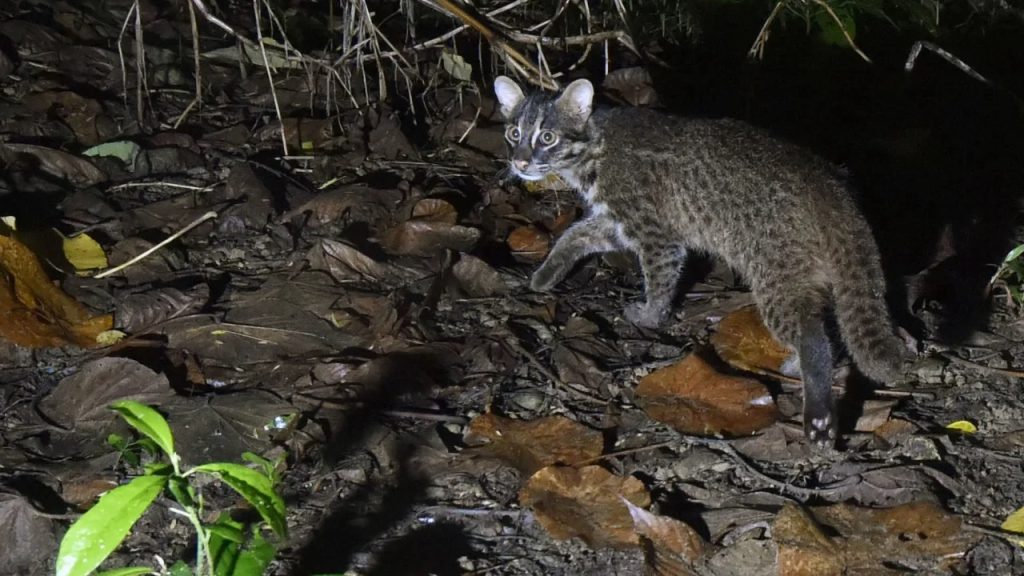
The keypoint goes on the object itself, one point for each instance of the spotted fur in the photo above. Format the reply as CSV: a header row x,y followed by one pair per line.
x,y
661,186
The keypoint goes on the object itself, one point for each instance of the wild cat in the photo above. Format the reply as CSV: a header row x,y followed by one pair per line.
x,y
661,186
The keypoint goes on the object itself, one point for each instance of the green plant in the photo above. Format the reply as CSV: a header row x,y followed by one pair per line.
x,y
1010,275
225,547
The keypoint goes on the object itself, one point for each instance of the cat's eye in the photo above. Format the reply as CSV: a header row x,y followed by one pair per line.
x,y
547,137
513,134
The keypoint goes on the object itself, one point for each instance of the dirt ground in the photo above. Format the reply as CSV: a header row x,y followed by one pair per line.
x,y
359,308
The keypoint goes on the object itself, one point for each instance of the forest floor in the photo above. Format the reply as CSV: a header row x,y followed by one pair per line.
x,y
360,309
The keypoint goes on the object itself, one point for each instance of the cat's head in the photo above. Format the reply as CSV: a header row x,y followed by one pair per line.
x,y
545,133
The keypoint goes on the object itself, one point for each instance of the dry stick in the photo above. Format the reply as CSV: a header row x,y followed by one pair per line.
x,y
208,216
618,453
1004,371
757,49
141,85
499,43
842,28
547,373
270,75
120,55
198,100
916,51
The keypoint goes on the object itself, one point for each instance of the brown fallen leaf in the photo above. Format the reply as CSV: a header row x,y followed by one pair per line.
x,y
744,342
874,414
892,432
694,398
529,243
585,503
476,278
435,210
531,445
423,237
345,263
36,313
670,547
919,534
803,548
74,169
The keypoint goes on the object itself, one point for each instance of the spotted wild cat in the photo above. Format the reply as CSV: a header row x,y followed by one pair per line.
x,y
661,186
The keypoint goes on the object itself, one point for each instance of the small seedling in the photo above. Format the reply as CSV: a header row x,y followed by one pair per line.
x,y
224,548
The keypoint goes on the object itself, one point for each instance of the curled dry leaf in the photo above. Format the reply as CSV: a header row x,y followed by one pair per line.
x,y
671,547
694,398
74,169
531,445
585,503
743,341
435,210
426,237
529,243
140,311
632,85
27,537
33,311
476,278
874,414
346,264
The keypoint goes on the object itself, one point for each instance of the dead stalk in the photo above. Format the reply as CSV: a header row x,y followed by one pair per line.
x,y
208,216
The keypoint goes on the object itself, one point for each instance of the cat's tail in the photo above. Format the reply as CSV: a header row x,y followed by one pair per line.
x,y
864,321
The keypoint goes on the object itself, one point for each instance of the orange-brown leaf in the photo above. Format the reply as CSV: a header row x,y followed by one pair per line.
x,y
531,445
743,341
435,210
36,313
693,397
529,243
585,503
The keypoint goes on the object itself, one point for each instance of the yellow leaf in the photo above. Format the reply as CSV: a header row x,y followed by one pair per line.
x,y
110,337
962,426
84,253
1015,523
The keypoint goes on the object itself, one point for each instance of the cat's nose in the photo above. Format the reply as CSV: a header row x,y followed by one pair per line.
x,y
521,164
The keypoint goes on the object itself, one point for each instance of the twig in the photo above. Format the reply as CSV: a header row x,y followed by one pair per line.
x,y
803,494
198,99
208,216
547,373
647,448
915,51
1004,371
270,75
757,49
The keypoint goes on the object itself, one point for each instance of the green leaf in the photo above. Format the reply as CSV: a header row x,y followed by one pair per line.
x,y
255,487
1014,254
148,422
133,571
180,568
100,530
125,150
831,31
232,555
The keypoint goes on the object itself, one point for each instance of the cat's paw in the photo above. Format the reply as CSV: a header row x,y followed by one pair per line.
x,y
545,278
644,316
821,429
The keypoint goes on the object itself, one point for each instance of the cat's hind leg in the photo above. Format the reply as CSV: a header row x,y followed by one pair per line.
x,y
796,315
662,266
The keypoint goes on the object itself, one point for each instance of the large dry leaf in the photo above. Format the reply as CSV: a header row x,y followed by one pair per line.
x,y
221,428
28,539
346,264
671,547
844,539
803,548
34,312
76,170
139,311
435,210
743,341
531,445
424,237
529,243
585,503
81,403
694,398
633,85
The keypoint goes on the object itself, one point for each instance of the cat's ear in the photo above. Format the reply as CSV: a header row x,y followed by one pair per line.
x,y
577,100
509,94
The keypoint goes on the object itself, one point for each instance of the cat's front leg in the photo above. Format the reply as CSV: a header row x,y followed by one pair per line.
x,y
589,236
662,266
